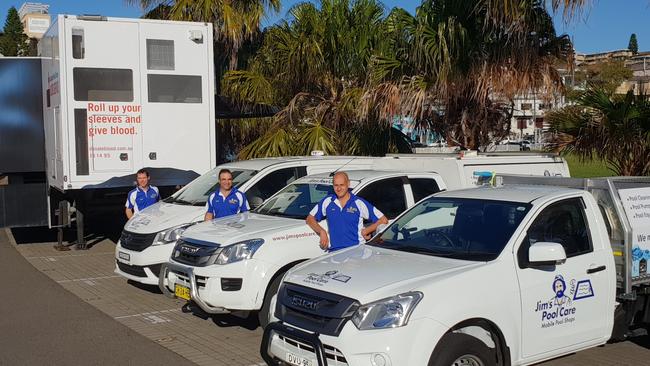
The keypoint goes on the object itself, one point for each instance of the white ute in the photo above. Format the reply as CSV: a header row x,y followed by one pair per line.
x,y
508,275
236,263
149,237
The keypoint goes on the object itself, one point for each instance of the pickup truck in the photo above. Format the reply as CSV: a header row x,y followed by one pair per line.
x,y
529,270
149,237
235,264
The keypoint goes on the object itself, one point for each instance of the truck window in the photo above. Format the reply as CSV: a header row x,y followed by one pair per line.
x,y
423,187
174,88
387,195
562,222
102,85
78,50
160,54
273,182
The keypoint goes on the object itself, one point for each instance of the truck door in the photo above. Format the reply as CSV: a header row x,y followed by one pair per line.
x,y
561,304
387,195
103,60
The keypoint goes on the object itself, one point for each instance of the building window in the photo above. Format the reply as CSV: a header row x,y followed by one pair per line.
x,y
160,54
102,85
521,123
174,88
539,122
526,106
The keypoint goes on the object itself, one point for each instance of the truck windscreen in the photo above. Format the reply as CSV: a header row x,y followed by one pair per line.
x,y
295,200
197,192
467,229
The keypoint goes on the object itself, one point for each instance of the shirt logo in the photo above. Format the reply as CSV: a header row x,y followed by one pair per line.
x,y
233,201
352,210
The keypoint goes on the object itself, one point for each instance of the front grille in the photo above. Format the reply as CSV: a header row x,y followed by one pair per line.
x,y
136,242
194,254
334,355
137,271
316,311
231,284
201,281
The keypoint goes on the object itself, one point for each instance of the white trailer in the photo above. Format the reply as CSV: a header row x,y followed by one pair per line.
x,y
122,94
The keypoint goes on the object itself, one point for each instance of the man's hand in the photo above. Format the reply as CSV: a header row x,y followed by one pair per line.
x,y
366,233
324,240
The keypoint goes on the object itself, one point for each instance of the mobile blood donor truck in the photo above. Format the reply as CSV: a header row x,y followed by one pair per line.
x,y
121,94
529,270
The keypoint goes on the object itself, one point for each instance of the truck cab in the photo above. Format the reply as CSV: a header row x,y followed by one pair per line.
x,y
236,263
490,276
148,238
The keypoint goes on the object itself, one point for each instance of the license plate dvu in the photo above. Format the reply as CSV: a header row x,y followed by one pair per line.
x,y
299,361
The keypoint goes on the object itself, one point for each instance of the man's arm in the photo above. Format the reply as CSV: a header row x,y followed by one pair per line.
x,y
208,209
368,230
128,212
322,233
129,205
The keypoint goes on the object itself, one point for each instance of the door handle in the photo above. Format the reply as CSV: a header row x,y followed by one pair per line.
x,y
596,269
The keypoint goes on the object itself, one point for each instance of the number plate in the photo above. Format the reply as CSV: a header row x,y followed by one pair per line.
x,y
182,292
299,361
124,256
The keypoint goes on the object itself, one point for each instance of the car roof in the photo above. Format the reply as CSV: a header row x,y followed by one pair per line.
x,y
358,176
511,193
261,163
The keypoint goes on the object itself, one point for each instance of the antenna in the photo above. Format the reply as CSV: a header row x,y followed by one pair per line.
x,y
341,167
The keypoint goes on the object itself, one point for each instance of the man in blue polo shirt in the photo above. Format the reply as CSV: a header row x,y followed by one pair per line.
x,y
227,200
345,213
143,196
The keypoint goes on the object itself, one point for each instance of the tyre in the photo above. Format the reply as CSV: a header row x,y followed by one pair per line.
x,y
263,314
458,349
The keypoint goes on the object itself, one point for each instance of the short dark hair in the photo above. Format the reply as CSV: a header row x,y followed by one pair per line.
x,y
142,171
224,171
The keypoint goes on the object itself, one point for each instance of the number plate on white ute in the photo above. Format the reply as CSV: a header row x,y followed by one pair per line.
x,y
124,256
299,361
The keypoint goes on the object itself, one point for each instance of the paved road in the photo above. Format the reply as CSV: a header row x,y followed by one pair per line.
x,y
43,324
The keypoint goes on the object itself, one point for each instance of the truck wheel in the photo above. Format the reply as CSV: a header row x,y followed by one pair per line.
x,y
162,281
457,349
263,315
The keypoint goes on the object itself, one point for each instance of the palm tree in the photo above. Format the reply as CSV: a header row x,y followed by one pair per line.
x,y
234,21
316,64
454,68
613,128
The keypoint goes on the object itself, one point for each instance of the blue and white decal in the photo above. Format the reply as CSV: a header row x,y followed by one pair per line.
x,y
563,307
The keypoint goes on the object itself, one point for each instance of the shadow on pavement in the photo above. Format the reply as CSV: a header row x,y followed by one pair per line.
x,y
643,341
149,288
97,229
249,322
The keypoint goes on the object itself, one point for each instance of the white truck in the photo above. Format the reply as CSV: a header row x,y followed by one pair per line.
x,y
527,271
121,94
148,238
234,264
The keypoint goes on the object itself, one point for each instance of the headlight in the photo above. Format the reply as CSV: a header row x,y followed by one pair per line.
x,y
391,312
170,235
238,251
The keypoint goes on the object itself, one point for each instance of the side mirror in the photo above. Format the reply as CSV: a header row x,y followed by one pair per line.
x,y
546,253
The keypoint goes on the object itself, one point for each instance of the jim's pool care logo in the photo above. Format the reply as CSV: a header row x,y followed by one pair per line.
x,y
560,308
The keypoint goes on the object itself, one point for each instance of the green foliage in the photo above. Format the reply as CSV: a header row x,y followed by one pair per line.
x,y
585,168
454,61
608,75
633,45
14,41
602,126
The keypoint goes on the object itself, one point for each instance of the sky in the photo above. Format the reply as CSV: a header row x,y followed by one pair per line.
x,y
605,25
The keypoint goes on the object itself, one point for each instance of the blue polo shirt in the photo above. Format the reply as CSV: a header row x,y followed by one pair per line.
x,y
345,223
139,199
221,206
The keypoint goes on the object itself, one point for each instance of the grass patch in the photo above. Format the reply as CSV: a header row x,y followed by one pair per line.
x,y
587,168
